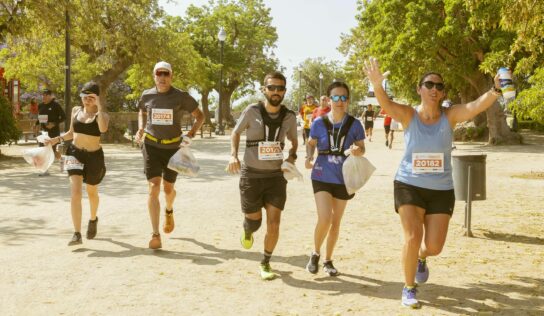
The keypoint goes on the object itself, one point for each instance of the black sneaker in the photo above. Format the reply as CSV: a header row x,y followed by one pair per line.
x,y
329,268
91,228
313,264
76,239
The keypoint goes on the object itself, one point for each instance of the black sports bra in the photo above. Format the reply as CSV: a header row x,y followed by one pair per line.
x,y
90,129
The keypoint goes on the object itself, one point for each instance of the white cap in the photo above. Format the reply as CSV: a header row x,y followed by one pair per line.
x,y
162,65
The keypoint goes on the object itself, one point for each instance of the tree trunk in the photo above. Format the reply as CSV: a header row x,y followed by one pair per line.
x,y
228,90
205,100
499,131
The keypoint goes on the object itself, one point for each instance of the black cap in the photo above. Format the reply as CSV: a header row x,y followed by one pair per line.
x,y
90,87
47,91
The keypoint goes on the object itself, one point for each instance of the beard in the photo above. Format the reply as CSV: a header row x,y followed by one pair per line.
x,y
275,101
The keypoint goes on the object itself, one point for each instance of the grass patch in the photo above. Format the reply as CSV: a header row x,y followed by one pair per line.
x,y
535,175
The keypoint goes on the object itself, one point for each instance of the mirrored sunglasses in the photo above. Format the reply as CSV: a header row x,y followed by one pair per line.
x,y
430,84
336,98
271,87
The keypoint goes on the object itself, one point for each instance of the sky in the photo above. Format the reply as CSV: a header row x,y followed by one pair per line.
x,y
306,28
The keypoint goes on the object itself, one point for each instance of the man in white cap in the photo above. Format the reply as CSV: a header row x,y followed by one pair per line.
x,y
159,129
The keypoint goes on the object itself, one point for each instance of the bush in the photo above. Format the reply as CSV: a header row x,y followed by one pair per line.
x,y
8,127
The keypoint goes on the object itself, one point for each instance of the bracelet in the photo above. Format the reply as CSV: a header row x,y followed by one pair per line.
x,y
495,91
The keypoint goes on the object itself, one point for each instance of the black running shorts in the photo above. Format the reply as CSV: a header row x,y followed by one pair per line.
x,y
338,191
156,162
94,168
433,201
256,192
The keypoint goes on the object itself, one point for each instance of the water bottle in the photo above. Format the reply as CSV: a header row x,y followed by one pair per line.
x,y
507,85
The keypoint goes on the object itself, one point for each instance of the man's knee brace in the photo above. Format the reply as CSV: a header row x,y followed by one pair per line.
x,y
251,225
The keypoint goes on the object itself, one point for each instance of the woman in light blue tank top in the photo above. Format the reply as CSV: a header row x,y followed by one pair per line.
x,y
423,185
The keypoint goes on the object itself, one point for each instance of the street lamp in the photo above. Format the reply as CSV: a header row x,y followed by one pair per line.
x,y
300,87
320,84
220,129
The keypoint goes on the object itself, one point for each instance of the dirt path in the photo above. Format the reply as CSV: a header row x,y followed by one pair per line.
x,y
203,270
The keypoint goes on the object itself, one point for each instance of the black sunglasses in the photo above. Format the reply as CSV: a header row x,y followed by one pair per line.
x,y
336,98
272,87
430,84
162,74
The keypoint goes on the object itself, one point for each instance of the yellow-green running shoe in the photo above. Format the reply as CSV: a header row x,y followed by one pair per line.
x,y
246,243
266,272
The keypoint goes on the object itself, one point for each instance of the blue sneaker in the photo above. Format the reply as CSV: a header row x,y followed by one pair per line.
x,y
422,273
409,298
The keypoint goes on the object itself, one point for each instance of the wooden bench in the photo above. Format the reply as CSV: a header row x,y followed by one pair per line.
x,y
206,128
27,127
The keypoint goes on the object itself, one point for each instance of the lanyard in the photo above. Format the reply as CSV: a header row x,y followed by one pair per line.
x,y
334,144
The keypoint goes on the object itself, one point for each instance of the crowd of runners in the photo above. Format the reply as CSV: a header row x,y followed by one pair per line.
x,y
423,192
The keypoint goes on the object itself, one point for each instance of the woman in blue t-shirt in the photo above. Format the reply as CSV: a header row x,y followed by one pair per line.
x,y
332,134
423,186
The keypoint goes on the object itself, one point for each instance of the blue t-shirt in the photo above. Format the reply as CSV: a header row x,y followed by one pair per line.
x,y
328,168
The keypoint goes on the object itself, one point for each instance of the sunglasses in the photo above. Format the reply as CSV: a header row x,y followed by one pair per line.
x,y
336,98
272,87
162,74
431,84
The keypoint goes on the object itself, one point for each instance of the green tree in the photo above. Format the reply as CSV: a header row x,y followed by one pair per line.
x,y
306,74
247,50
107,38
8,127
452,37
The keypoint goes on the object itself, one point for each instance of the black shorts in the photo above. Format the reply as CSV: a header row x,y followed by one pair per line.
x,y
256,192
338,191
387,129
369,124
306,133
433,201
94,168
156,162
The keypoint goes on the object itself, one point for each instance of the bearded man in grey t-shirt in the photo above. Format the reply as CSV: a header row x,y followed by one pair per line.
x,y
262,183
159,129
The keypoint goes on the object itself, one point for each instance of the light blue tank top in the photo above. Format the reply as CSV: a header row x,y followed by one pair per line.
x,y
427,139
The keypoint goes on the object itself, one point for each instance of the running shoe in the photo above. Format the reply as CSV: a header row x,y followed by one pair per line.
x,y
91,228
329,268
386,143
155,242
266,272
313,264
76,239
409,298
246,243
168,221
422,273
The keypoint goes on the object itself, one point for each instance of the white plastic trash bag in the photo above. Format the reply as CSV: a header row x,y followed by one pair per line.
x,y
41,157
184,162
290,171
356,171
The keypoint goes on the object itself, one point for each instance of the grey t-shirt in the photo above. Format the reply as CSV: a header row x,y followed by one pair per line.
x,y
251,121
164,113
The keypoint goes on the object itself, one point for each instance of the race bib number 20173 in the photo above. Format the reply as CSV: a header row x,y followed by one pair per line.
x,y
427,162
270,151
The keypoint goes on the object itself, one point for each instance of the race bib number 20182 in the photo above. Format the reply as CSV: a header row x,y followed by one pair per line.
x,y
162,116
427,162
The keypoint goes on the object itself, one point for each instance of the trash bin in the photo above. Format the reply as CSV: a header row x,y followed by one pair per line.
x,y
460,165
469,182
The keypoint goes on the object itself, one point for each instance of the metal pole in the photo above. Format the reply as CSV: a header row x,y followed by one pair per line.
x,y
300,89
220,115
468,213
67,80
320,87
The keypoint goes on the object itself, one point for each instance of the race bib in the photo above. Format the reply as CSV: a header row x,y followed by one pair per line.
x,y
369,118
71,163
162,116
42,118
427,163
270,151
308,116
